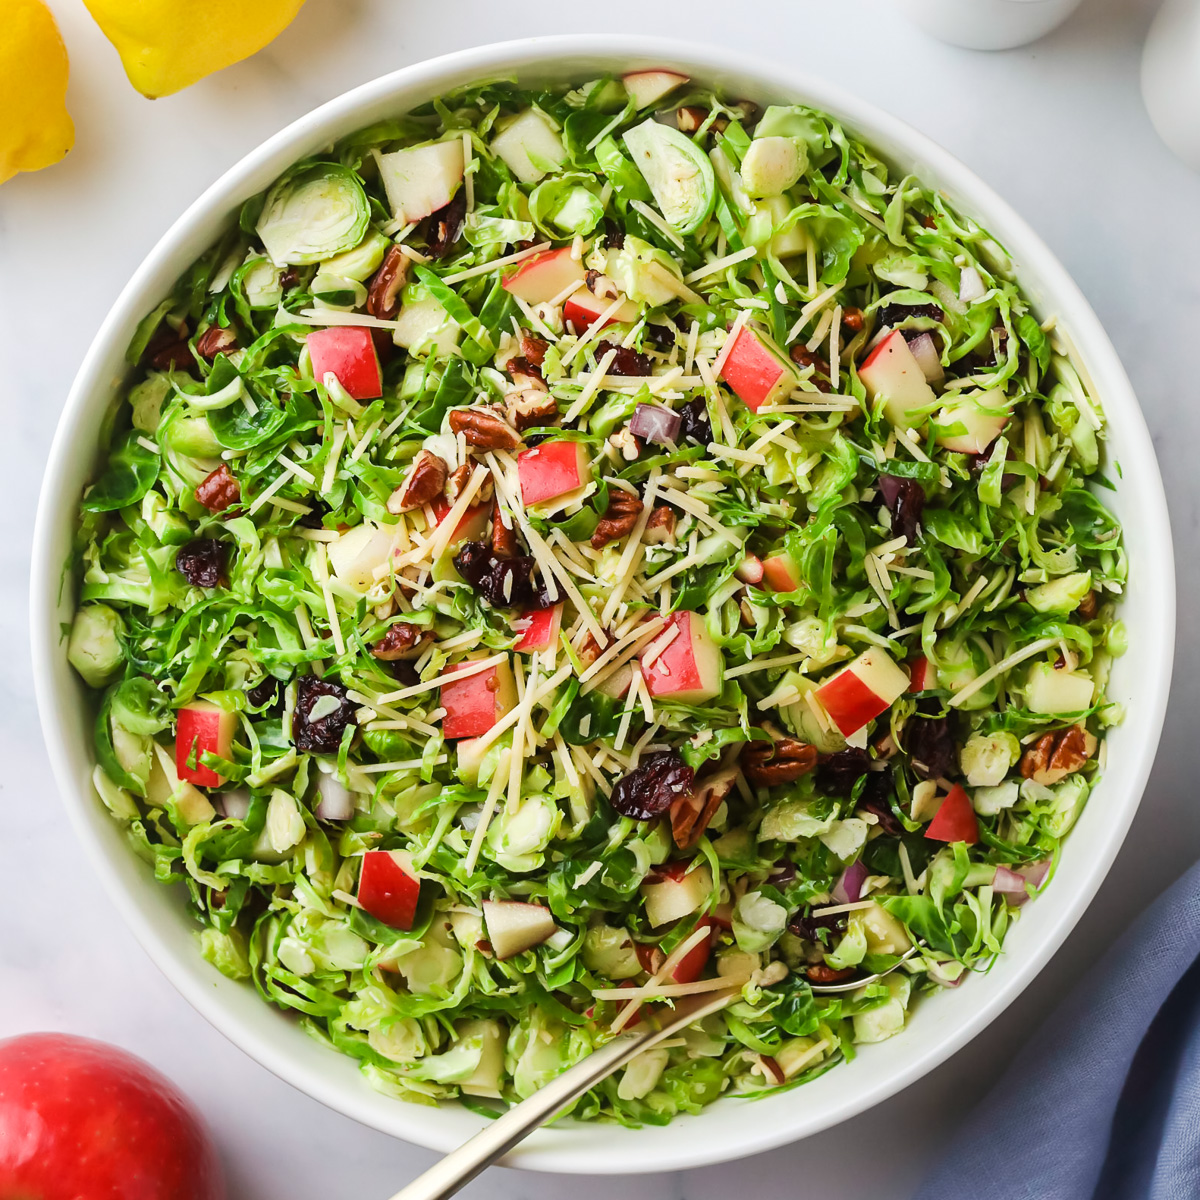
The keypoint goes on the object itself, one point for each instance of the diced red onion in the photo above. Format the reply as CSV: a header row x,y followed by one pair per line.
x,y
939,976
232,805
889,488
1011,884
654,423
336,802
1036,872
848,889
925,351
970,285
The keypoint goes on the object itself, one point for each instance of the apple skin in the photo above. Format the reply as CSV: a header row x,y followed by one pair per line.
x,y
474,704
82,1120
647,87
757,375
781,573
473,525
955,820
538,629
922,675
387,891
859,692
348,351
551,470
208,728
543,276
582,310
689,670
891,370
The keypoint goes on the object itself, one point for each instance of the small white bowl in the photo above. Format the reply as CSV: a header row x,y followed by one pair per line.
x,y
989,24
731,1128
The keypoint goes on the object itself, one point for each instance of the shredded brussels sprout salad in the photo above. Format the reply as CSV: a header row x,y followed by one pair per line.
x,y
563,551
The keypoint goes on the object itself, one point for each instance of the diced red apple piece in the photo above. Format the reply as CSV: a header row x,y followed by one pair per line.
x,y
419,180
475,703
619,682
386,889
892,371
202,727
691,966
348,353
472,525
955,820
553,470
922,675
581,310
750,569
858,693
647,87
543,276
781,573
514,926
979,429
675,892
755,371
538,629
683,666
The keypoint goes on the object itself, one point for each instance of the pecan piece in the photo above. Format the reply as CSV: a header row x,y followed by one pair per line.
x,y
691,814
821,973
619,518
525,374
504,537
400,641
782,761
660,527
169,351
533,348
215,340
383,293
591,649
426,479
852,319
218,490
1056,755
483,429
802,356
689,118
600,285
527,408
1088,606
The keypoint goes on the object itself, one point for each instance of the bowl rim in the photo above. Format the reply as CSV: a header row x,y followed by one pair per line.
x,y
543,56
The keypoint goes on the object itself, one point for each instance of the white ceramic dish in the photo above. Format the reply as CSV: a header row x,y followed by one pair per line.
x,y
989,24
731,1128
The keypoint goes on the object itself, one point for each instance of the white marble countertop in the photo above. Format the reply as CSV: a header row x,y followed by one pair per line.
x,y
1058,128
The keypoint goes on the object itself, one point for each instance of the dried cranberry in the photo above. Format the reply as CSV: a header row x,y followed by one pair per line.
x,y
694,424
504,582
202,562
648,791
267,694
819,930
446,224
804,357
323,735
614,235
932,747
905,500
661,337
890,314
627,361
838,773
876,798
985,356
314,518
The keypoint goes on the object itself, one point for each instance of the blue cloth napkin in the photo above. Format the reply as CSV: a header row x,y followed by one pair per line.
x,y
1104,1102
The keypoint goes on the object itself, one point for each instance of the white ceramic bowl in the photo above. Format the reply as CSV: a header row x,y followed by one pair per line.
x,y
731,1128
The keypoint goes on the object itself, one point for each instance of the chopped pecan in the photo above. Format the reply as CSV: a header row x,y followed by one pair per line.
x,y
533,348
218,490
770,764
400,641
1056,755
820,973
1088,606
619,518
383,293
626,442
446,224
527,408
215,340
483,429
600,286
852,319
169,351
660,527
504,537
524,374
459,478
426,479
802,356
689,118
691,814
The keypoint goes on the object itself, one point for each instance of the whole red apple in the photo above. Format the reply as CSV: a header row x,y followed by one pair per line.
x,y
81,1120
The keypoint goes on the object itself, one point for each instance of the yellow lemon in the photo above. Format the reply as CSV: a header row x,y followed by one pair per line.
x,y
166,45
35,128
